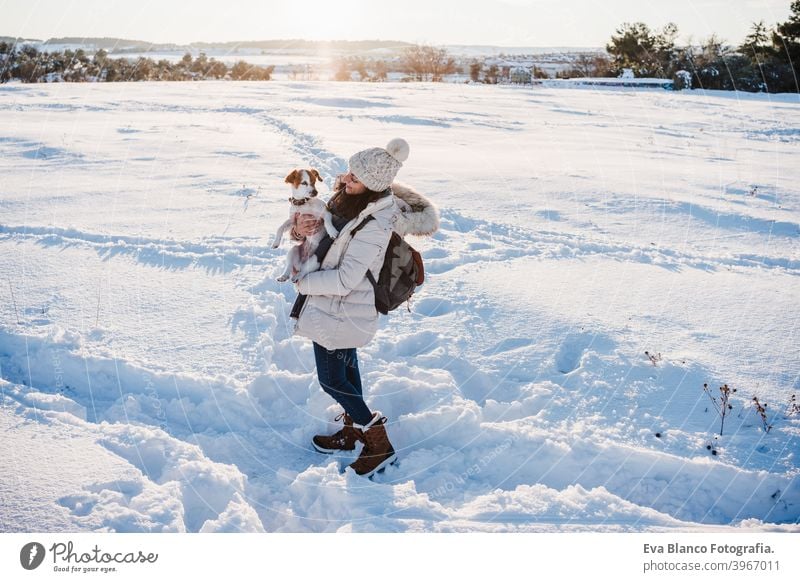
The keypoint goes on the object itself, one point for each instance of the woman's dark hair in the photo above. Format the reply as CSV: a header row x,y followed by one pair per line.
x,y
348,205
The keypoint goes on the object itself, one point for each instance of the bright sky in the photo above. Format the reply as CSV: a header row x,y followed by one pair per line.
x,y
488,22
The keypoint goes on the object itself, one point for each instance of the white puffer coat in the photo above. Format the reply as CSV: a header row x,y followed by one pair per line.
x,y
339,311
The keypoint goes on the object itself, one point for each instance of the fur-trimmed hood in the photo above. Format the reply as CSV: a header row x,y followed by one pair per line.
x,y
418,215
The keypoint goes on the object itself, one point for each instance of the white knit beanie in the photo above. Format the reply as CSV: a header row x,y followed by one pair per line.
x,y
377,167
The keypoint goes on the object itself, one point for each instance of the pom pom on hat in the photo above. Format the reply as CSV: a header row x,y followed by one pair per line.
x,y
398,148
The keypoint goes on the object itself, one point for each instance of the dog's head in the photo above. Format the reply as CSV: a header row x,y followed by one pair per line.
x,y
303,183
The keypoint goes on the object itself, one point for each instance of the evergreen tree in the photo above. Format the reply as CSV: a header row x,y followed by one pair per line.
x,y
786,43
646,52
786,39
756,45
758,52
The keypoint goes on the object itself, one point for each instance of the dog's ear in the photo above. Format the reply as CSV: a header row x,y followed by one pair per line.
x,y
292,177
313,171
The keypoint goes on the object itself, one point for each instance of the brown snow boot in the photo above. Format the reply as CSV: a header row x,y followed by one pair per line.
x,y
342,440
378,452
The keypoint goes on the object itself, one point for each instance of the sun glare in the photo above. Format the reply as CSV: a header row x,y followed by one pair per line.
x,y
324,20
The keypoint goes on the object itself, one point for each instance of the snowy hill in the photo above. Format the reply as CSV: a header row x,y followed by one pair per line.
x,y
150,382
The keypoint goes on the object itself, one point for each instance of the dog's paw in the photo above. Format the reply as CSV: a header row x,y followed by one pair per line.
x,y
283,278
275,245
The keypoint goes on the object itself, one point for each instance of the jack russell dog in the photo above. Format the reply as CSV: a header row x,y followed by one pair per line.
x,y
303,200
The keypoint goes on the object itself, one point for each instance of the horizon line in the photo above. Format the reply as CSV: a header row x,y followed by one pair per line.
x,y
289,40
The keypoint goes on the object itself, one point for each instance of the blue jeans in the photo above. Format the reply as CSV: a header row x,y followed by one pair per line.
x,y
338,375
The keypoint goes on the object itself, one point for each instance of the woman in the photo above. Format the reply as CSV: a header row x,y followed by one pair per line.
x,y
338,311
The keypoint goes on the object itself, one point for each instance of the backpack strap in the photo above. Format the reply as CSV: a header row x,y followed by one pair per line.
x,y
353,232
361,225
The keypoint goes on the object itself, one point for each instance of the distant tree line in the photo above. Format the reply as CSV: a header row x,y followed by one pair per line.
x,y
767,60
427,63
29,65
417,63
492,73
362,69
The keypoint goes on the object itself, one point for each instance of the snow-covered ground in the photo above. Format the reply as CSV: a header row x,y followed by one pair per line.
x,y
150,382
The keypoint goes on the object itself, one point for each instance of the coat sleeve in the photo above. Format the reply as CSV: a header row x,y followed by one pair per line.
x,y
366,246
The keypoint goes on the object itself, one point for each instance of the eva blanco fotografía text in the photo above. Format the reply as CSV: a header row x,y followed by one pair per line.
x,y
737,550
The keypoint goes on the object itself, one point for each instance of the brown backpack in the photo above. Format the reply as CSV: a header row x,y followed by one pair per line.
x,y
401,274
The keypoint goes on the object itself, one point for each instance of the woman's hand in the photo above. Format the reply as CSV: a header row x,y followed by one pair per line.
x,y
307,225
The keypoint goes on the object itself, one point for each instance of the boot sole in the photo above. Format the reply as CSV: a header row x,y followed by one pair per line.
x,y
382,467
325,451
